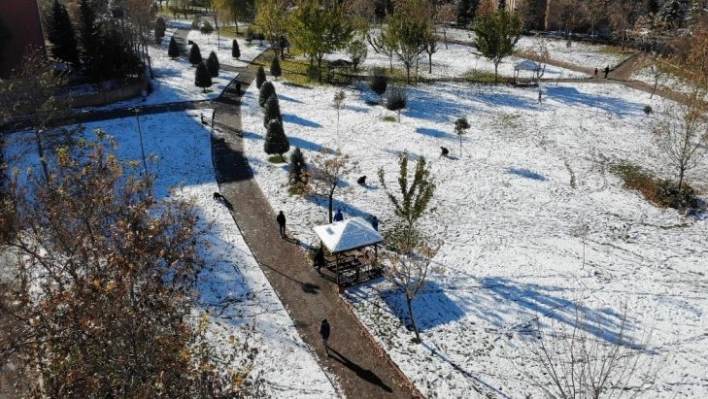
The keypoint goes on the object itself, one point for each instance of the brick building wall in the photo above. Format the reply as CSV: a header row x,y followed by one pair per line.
x,y
20,20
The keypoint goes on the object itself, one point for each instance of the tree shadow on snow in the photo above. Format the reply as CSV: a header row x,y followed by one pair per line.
x,y
526,173
571,96
432,307
434,133
300,121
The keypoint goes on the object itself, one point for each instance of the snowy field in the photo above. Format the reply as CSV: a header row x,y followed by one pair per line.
x,y
519,242
246,317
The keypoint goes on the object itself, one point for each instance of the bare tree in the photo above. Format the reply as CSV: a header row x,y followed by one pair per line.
x,y
588,360
338,103
409,266
683,136
328,169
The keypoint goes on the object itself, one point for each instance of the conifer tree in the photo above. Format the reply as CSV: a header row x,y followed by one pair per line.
x,y
202,78
88,31
272,110
213,65
195,56
275,141
61,34
235,51
275,68
173,49
266,91
260,77
298,166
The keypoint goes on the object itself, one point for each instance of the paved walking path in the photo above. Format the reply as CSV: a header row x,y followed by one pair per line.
x,y
362,368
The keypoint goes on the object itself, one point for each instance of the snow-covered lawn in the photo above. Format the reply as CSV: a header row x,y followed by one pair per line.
x,y
241,303
511,224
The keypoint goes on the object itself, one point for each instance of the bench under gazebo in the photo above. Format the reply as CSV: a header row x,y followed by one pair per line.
x,y
348,241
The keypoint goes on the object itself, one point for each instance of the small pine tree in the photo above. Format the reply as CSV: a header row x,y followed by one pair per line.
x,y
235,51
378,83
266,91
61,34
275,68
173,49
195,56
213,65
202,78
396,101
272,110
298,167
260,77
275,141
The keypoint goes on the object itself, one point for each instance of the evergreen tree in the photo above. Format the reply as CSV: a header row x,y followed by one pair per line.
x,y
276,142
88,31
260,77
272,111
235,51
298,166
61,34
173,49
202,78
160,28
461,126
275,68
266,91
502,4
378,82
116,59
195,56
396,100
213,65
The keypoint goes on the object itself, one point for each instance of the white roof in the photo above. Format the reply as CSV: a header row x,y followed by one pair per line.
x,y
527,65
347,234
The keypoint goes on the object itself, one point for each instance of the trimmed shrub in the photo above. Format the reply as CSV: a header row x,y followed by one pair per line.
x,y
173,49
213,65
298,167
272,110
195,56
275,68
275,141
648,110
206,28
378,82
396,100
202,78
235,51
266,91
260,77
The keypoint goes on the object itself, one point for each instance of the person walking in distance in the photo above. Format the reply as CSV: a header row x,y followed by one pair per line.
x,y
281,222
607,71
324,333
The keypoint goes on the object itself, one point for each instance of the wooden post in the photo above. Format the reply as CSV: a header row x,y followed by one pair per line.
x,y
336,257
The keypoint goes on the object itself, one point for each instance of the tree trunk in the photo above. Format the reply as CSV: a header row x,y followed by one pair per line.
x,y
331,204
430,63
496,65
409,302
682,171
460,146
408,74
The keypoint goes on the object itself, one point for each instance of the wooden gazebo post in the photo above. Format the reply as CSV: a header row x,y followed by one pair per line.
x,y
336,258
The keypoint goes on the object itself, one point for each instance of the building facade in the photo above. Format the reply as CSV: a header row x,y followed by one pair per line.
x,y
20,30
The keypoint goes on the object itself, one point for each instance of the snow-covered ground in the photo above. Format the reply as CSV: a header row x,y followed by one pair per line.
x,y
519,242
249,326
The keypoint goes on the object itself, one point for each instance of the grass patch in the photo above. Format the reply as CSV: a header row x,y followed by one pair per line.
x,y
483,77
661,192
296,190
276,159
389,118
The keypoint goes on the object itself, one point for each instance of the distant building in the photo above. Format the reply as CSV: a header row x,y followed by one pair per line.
x,y
20,29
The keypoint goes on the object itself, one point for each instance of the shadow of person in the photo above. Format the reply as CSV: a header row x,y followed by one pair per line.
x,y
366,375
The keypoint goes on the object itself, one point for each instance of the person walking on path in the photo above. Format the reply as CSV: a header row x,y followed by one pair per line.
x,y
607,71
596,73
281,222
338,217
324,333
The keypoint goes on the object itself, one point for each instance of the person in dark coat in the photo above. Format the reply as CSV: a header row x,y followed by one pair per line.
x,y
319,260
281,222
607,71
596,72
324,333
338,217
375,222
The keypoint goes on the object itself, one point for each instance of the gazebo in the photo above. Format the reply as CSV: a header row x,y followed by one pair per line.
x,y
347,240
527,65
